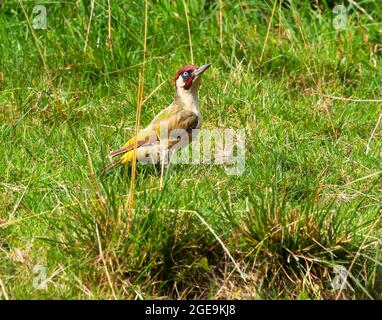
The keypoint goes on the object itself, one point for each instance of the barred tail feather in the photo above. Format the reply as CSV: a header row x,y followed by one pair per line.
x,y
118,152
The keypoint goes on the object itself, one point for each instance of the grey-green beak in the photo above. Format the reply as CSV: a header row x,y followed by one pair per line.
x,y
201,69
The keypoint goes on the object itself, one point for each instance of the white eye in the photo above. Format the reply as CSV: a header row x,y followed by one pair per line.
x,y
185,73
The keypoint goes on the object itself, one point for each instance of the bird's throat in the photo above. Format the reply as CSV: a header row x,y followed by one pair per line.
x,y
189,99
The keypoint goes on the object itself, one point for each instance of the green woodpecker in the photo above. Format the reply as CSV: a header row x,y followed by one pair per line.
x,y
172,128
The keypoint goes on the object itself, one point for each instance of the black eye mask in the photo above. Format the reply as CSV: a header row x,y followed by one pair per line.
x,y
186,75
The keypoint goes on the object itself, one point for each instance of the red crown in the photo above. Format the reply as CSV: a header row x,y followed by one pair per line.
x,y
186,68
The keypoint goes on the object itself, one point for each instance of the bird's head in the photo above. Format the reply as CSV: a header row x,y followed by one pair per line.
x,y
188,77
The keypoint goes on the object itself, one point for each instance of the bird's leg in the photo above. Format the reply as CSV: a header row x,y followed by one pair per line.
x,y
170,157
171,154
162,161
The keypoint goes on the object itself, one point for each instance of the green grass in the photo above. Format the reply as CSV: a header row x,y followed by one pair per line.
x,y
310,196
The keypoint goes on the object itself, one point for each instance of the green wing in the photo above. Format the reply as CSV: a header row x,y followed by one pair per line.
x,y
172,118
